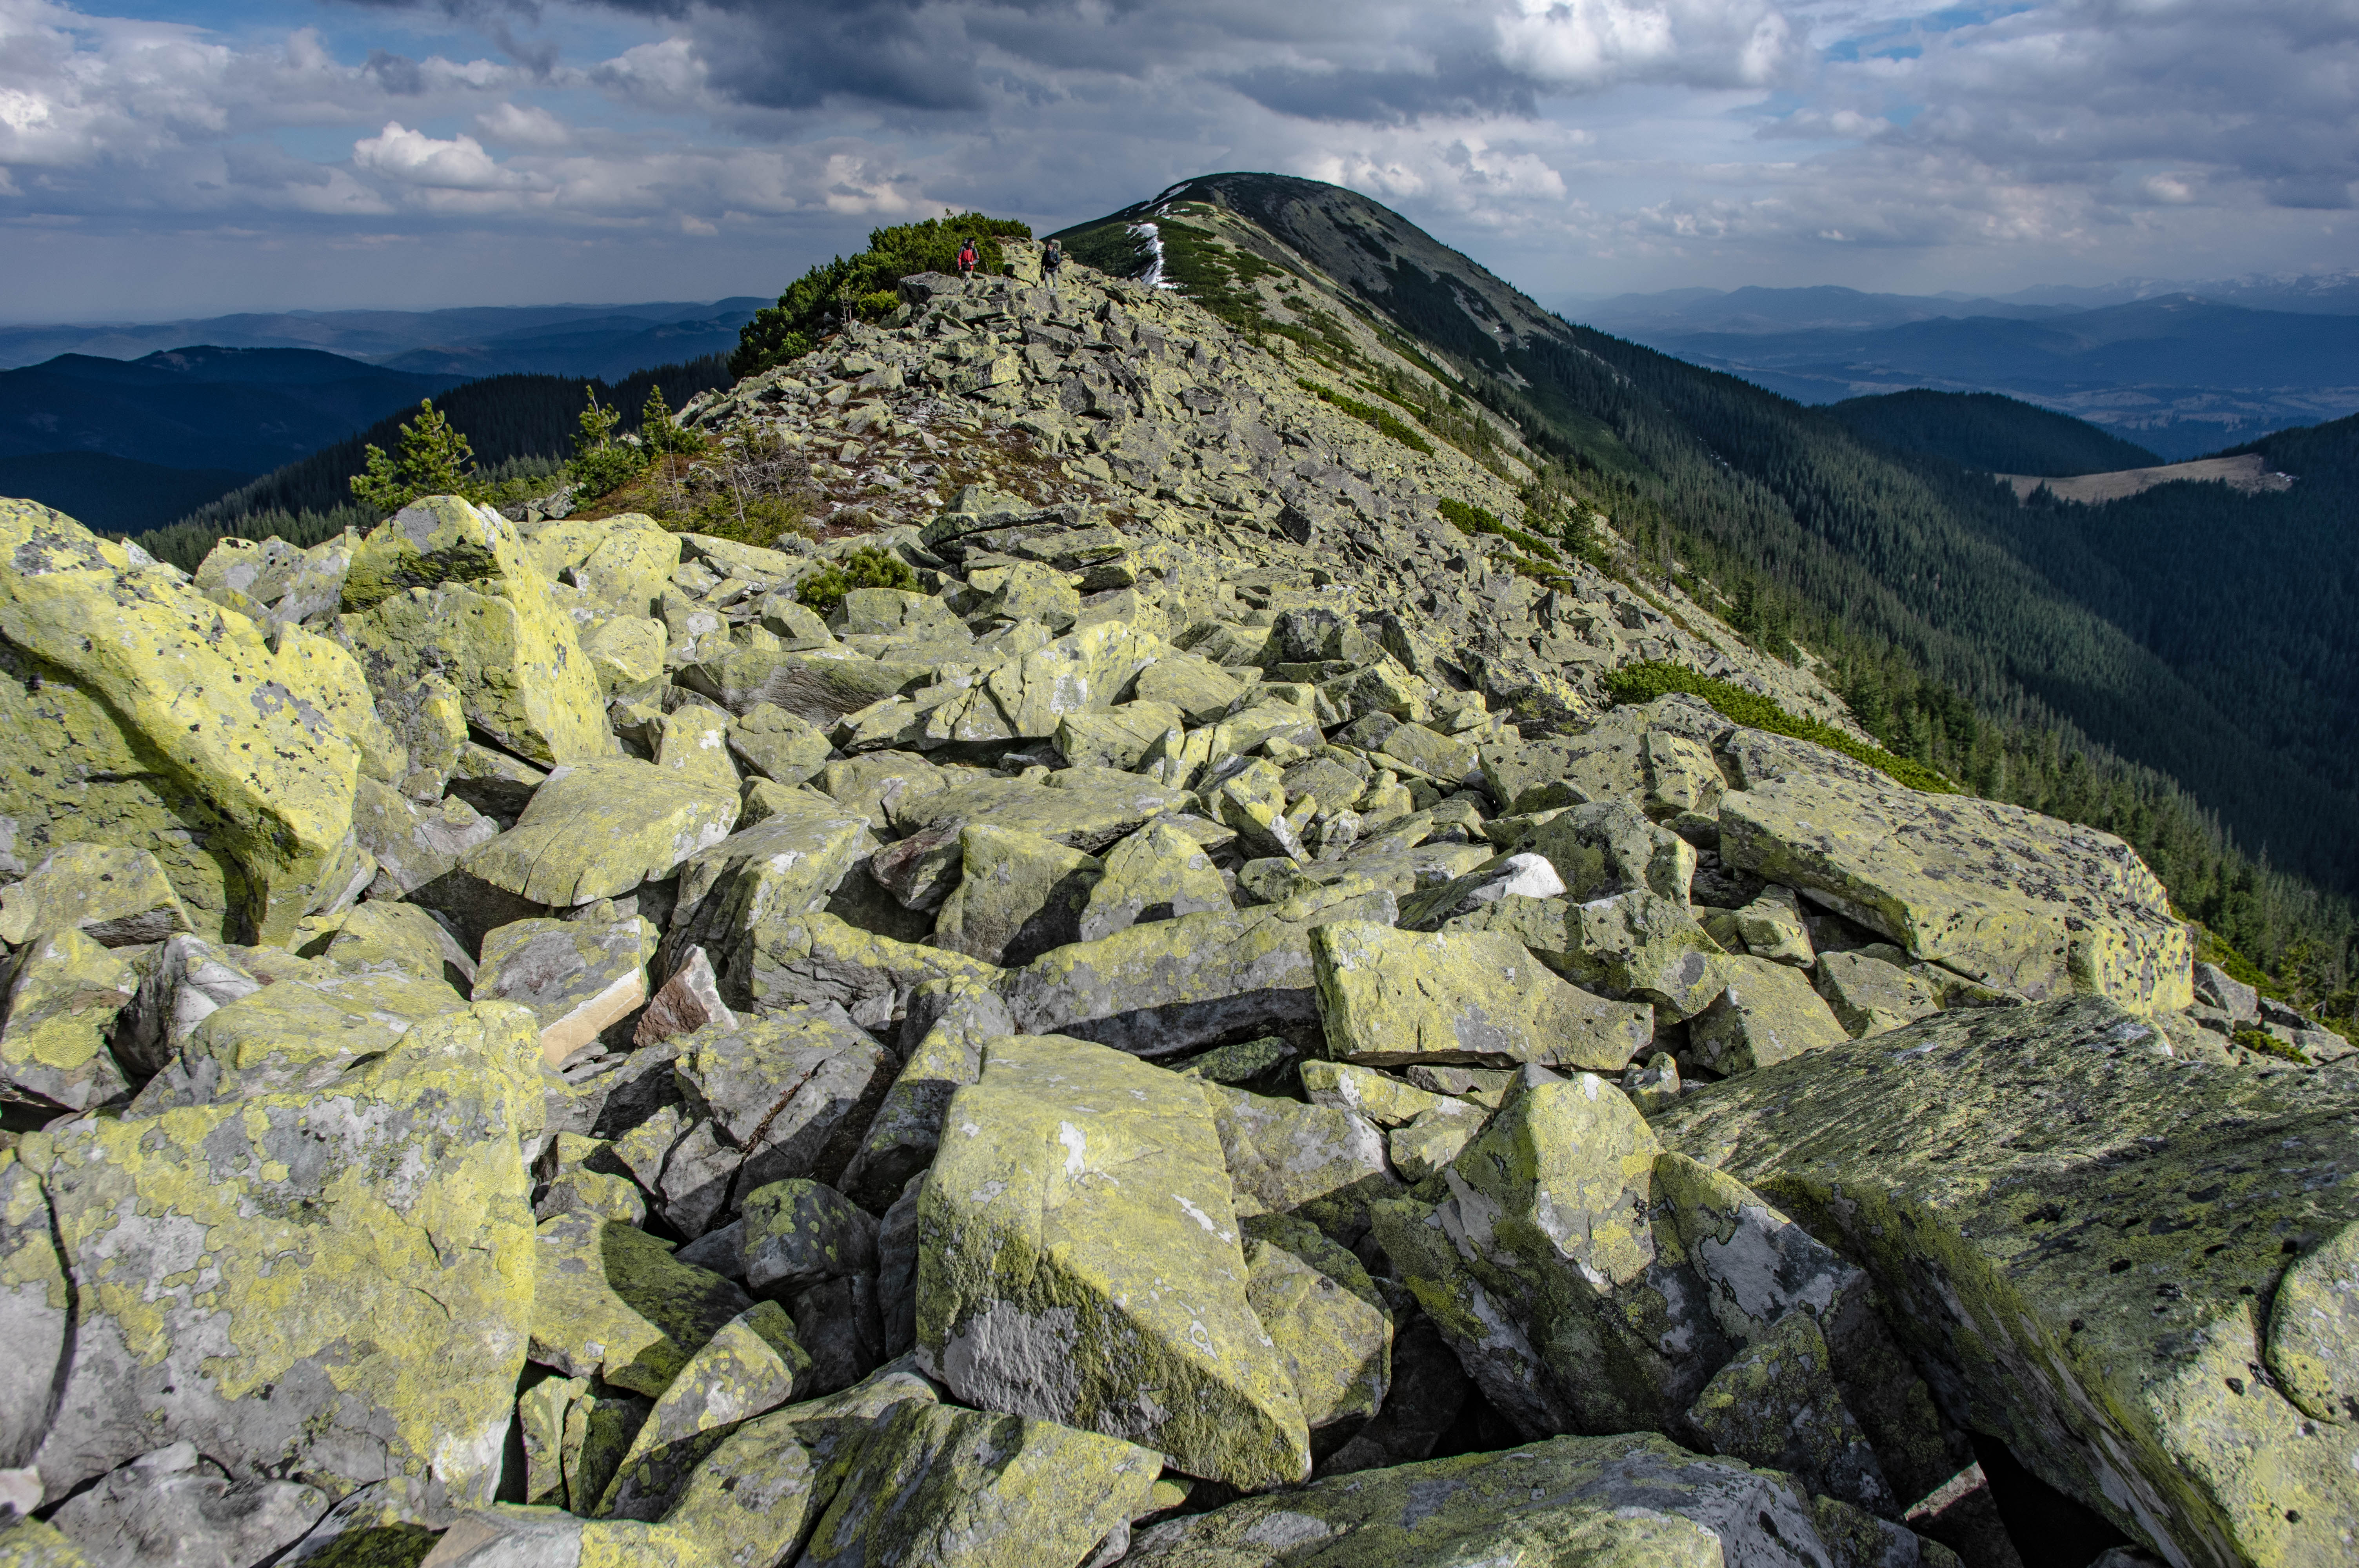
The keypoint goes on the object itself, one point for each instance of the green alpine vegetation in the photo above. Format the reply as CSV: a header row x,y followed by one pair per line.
x,y
861,287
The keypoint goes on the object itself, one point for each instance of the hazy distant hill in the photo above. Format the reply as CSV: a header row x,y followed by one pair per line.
x,y
244,409
2179,373
599,346
1983,431
380,336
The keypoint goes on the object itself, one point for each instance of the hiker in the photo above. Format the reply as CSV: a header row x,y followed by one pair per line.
x,y
967,260
1051,260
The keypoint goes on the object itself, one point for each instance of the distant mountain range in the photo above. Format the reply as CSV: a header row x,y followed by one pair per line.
x,y
2181,373
557,340
129,428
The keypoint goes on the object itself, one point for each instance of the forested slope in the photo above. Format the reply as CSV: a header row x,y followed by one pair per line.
x,y
511,421
1986,431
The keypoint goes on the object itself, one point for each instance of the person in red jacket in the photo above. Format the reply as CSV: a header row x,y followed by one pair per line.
x,y
967,259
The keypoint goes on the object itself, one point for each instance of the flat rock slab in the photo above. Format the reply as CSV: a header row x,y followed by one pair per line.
x,y
1637,1501
1171,986
599,829
1078,1243
117,897
2073,1230
1480,999
2001,895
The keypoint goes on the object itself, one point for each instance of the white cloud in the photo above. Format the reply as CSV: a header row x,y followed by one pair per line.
x,y
1569,143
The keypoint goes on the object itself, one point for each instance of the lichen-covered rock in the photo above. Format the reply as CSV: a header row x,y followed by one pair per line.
x,y
1775,1404
779,1097
1608,846
748,1367
135,713
1378,1096
1390,996
2001,895
1171,986
1156,873
801,1233
1083,811
1431,1141
1570,1309
117,897
812,959
2070,1229
300,1031
577,975
777,745
451,588
64,993
35,1317
335,1285
932,1484
1118,737
413,844
598,829
1869,995
1079,1245
613,1303
789,863
1635,1502
951,1019
693,741
1018,896
1325,1315
399,938
1315,1161
1772,927
1765,1013
168,1507
1637,944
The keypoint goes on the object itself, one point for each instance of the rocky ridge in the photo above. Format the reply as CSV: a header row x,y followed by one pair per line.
x,y
1193,1034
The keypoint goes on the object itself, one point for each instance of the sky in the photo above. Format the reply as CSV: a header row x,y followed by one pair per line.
x,y
161,158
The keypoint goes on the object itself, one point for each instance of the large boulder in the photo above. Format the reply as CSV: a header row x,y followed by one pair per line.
x,y
1394,998
335,1286
449,588
1998,893
1079,1245
598,829
2076,1233
137,714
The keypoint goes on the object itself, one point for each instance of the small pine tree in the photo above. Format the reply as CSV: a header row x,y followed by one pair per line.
x,y
659,432
435,460
601,464
598,422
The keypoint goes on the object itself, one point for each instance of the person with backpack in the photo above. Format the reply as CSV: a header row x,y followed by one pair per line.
x,y
1051,261
967,258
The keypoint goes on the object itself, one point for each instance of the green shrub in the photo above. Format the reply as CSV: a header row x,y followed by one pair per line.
x,y
435,460
864,566
814,303
1383,422
2268,1045
1469,519
661,434
1645,681
601,464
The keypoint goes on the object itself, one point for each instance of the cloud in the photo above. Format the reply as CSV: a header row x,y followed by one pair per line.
x,y
1568,143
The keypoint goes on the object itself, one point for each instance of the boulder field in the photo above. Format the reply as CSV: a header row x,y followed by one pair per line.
x,y
1196,1035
